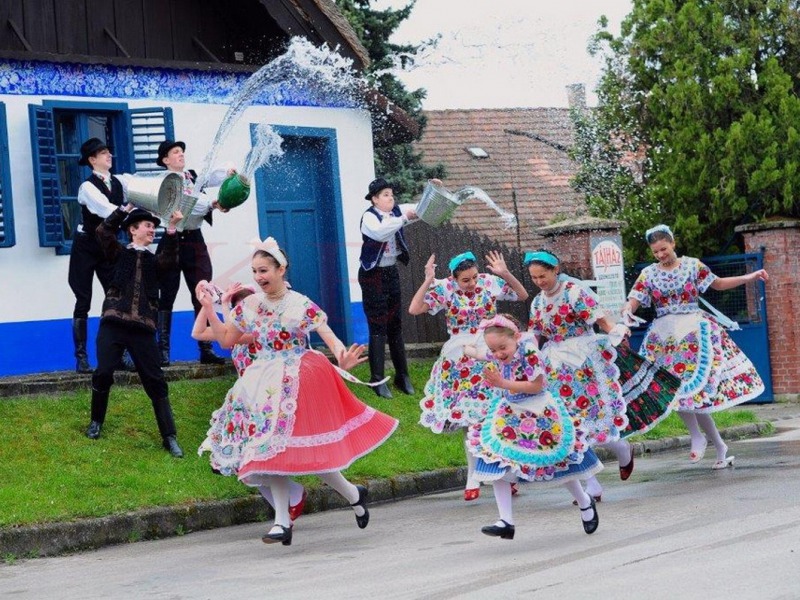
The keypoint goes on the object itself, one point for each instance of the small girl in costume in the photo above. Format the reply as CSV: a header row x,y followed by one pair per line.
x,y
455,395
527,433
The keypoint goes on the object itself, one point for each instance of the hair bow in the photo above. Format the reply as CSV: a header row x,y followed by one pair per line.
x,y
499,321
458,259
270,246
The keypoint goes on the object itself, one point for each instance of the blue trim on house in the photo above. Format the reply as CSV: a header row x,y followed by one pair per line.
x,y
7,239
23,349
41,78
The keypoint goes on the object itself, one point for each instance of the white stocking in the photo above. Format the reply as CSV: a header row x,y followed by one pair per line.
x,y
708,426
472,483
622,449
295,493
593,487
698,439
502,496
279,486
346,489
574,488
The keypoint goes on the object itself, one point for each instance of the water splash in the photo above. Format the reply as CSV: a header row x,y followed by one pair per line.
x,y
325,78
508,219
267,145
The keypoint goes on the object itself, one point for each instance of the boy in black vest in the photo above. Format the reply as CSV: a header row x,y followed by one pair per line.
x,y
98,197
130,313
384,245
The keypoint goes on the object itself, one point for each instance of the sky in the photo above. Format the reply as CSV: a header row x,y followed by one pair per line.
x,y
504,53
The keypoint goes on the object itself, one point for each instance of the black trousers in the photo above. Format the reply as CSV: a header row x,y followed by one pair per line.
x,y
195,264
112,339
380,292
86,260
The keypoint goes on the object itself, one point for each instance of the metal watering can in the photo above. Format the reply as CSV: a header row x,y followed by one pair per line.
x,y
438,204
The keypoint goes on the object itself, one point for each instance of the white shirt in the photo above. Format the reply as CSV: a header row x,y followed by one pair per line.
x,y
383,230
95,200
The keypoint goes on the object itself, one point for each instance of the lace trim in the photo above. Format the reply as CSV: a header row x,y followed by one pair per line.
x,y
330,437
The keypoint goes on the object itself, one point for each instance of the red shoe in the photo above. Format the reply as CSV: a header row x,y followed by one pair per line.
x,y
297,510
625,472
472,494
514,489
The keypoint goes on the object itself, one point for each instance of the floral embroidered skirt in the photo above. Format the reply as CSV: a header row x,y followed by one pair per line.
x,y
715,374
648,391
534,441
456,395
582,373
292,416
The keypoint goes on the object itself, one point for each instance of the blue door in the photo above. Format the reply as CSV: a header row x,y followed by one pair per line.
x,y
299,204
745,305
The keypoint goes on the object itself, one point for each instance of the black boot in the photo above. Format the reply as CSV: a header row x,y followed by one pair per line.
x,y
207,356
377,353
164,329
397,350
99,407
171,446
79,339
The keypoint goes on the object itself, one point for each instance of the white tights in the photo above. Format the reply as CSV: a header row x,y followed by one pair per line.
x,y
694,423
624,452
472,483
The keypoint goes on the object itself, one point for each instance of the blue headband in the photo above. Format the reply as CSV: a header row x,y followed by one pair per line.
x,y
540,256
657,229
458,259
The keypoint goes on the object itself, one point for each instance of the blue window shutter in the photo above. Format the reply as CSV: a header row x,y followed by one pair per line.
x,y
45,177
6,203
148,128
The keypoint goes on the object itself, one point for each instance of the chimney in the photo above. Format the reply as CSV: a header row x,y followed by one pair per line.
x,y
576,96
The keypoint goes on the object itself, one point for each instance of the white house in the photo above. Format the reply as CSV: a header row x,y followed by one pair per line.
x,y
141,72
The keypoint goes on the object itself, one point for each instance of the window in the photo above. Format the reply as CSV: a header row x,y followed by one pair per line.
x,y
57,131
6,204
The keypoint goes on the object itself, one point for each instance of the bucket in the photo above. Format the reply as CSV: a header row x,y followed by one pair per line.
x,y
437,204
233,191
160,194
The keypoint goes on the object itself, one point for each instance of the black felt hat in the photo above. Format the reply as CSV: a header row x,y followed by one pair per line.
x,y
376,186
89,148
164,148
139,214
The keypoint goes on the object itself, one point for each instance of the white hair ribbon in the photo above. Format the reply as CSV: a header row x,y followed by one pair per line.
x,y
270,246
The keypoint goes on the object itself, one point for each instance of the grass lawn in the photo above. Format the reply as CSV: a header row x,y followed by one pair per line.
x,y
51,472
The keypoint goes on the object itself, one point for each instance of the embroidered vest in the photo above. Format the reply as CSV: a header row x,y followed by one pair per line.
x,y
372,250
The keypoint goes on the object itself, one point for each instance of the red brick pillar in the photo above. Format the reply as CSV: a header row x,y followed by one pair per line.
x,y
780,243
571,240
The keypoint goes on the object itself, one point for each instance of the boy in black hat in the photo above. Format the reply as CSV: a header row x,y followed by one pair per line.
x,y
130,313
384,245
98,197
193,258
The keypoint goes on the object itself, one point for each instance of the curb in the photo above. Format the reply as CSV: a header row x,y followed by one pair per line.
x,y
52,539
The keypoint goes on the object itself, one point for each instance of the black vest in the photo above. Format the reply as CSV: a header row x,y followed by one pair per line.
x,y
372,250
115,195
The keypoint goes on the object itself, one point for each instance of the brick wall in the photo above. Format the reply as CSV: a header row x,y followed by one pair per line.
x,y
780,243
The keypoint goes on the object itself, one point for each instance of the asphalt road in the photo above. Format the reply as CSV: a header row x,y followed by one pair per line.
x,y
674,530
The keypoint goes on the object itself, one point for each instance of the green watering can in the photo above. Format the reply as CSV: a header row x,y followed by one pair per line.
x,y
233,191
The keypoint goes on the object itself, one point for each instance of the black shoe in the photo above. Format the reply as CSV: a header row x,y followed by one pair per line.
x,y
363,520
82,366
207,356
506,532
93,432
171,444
591,526
284,537
383,391
403,383
79,339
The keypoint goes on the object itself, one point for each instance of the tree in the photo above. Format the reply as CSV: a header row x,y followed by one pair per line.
x,y
704,93
399,163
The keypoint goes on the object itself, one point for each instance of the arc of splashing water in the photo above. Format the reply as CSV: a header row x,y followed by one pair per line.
x,y
508,219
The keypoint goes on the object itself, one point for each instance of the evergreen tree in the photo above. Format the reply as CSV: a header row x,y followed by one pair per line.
x,y
703,95
399,163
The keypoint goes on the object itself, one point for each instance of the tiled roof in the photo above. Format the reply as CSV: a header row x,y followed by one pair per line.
x,y
531,164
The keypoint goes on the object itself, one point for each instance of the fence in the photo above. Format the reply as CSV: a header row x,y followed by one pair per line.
x,y
446,241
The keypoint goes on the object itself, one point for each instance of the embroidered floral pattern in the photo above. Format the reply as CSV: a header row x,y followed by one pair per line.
x,y
570,314
673,292
455,394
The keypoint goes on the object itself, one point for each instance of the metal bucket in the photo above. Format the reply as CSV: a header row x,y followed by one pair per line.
x,y
437,204
161,194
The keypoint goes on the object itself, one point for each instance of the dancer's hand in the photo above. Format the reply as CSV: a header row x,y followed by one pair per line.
x,y
201,293
492,375
229,293
175,218
430,269
760,275
496,263
347,359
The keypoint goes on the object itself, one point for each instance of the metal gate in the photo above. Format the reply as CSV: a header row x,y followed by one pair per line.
x,y
744,304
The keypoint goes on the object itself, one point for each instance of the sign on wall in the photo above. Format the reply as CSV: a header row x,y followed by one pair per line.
x,y
608,272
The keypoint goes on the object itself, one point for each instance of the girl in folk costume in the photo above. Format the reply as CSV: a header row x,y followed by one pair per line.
x,y
583,368
691,343
290,413
527,433
455,395
243,354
